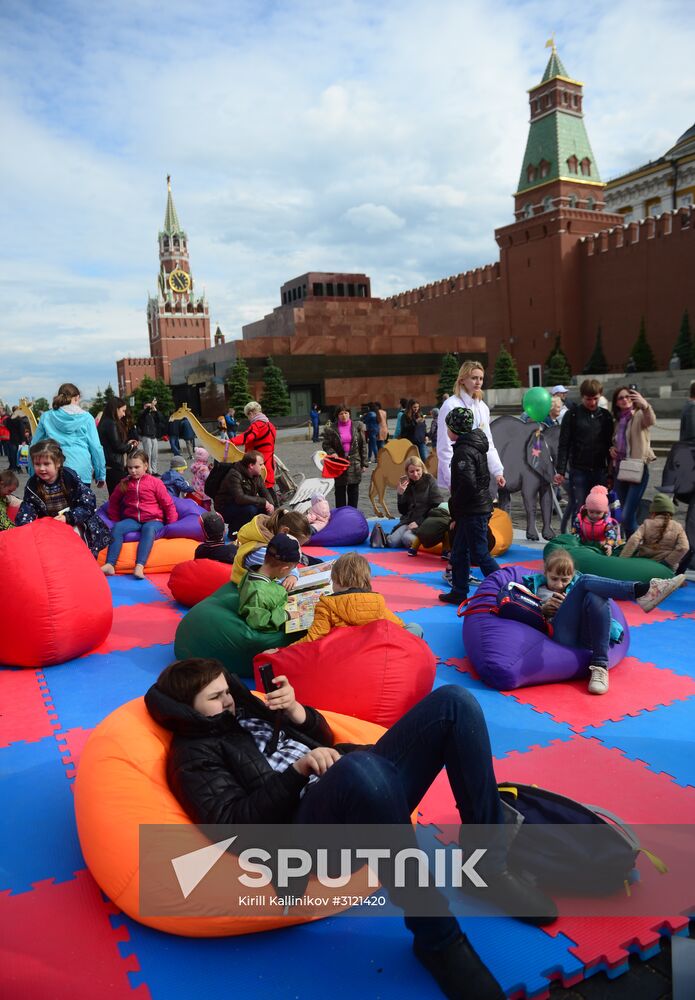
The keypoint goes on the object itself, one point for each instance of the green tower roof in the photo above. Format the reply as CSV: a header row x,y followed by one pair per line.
x,y
555,137
172,226
554,68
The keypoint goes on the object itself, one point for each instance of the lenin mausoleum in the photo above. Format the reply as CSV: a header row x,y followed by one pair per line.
x,y
579,254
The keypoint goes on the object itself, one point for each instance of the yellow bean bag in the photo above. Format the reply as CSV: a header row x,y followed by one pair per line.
x,y
500,525
121,782
166,553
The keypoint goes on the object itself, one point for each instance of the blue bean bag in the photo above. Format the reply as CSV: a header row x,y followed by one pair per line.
x,y
509,655
347,526
187,526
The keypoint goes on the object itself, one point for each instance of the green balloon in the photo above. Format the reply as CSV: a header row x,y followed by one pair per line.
x,y
537,403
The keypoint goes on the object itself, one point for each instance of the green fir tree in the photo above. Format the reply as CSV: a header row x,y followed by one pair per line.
x,y
237,385
108,393
447,376
153,388
557,369
505,375
684,345
641,352
597,363
98,403
275,399
40,406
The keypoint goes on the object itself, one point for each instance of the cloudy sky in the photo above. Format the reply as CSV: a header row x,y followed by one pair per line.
x,y
380,137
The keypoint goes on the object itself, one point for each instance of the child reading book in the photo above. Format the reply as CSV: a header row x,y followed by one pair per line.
x,y
262,598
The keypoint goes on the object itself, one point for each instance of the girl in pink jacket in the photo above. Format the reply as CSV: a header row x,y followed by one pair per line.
x,y
139,502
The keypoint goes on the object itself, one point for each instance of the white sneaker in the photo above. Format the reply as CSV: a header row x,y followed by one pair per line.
x,y
598,682
658,591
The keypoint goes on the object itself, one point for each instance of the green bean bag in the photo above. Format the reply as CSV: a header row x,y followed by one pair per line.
x,y
213,628
590,559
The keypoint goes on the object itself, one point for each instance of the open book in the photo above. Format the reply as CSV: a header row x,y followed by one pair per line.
x,y
314,581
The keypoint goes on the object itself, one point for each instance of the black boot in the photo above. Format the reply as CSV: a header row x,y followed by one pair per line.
x,y
459,971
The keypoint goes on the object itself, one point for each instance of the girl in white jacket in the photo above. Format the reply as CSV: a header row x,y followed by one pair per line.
x,y
468,393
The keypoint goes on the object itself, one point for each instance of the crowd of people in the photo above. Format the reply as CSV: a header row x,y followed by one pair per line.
x,y
229,761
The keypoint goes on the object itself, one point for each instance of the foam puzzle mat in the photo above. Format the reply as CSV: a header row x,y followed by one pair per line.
x,y
631,750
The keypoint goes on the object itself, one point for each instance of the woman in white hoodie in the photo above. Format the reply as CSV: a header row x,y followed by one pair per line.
x,y
467,392
76,433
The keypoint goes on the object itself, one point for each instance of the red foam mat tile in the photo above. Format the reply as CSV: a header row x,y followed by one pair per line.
x,y
161,582
634,687
44,953
635,617
71,745
609,940
587,770
399,561
25,714
403,594
140,625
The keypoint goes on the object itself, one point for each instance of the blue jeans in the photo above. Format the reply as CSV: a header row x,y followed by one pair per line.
x,y
237,515
315,430
175,445
581,481
371,445
384,784
584,617
470,545
630,495
148,532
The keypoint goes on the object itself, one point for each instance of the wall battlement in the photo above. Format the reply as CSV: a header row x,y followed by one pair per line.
x,y
484,275
632,233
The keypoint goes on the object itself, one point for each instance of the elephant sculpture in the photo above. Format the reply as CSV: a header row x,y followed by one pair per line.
x,y
679,479
528,453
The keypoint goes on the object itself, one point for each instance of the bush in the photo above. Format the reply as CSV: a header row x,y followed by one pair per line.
x,y
505,375
557,369
447,376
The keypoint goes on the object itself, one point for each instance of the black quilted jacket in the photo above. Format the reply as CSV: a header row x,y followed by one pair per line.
x,y
215,769
470,476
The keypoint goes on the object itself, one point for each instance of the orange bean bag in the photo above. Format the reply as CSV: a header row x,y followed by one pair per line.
x,y
191,582
121,783
56,604
500,524
166,553
375,672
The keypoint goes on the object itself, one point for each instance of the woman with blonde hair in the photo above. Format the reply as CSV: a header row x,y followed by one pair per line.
x,y
76,433
467,393
418,494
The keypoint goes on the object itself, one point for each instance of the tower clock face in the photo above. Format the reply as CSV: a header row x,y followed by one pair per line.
x,y
179,281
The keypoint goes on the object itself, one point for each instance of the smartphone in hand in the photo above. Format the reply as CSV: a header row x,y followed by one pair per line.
x,y
403,480
266,674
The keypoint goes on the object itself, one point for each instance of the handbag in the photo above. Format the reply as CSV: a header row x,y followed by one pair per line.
x,y
631,470
377,539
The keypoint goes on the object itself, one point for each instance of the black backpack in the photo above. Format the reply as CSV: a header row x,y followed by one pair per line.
x,y
556,848
215,478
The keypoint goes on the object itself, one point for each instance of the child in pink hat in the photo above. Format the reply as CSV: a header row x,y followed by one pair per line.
x,y
593,523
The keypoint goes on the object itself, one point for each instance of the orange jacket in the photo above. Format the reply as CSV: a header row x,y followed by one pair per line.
x,y
353,607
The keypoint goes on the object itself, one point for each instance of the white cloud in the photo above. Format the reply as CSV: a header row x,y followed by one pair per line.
x,y
385,139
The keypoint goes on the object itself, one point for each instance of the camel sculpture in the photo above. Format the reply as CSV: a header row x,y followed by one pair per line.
x,y
389,469
222,451
25,408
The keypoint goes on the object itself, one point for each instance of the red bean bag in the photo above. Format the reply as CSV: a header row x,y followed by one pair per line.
x,y
191,582
57,603
374,672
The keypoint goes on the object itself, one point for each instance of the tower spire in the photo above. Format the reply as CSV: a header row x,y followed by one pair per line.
x,y
172,226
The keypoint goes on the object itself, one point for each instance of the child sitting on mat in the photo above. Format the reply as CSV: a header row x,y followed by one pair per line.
x,y
593,523
578,605
353,602
262,598
659,537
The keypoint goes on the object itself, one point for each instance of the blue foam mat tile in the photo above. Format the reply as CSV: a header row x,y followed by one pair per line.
x,y
668,645
84,691
662,739
517,553
38,836
442,629
373,957
126,590
512,725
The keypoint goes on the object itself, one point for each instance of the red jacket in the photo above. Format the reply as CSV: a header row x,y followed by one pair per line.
x,y
260,436
145,499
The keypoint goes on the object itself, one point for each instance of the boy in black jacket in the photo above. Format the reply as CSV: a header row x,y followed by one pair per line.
x,y
470,503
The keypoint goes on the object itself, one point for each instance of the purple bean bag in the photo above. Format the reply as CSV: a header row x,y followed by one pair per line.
x,y
510,655
187,526
347,526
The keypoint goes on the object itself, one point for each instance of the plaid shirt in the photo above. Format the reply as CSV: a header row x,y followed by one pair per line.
x,y
287,752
